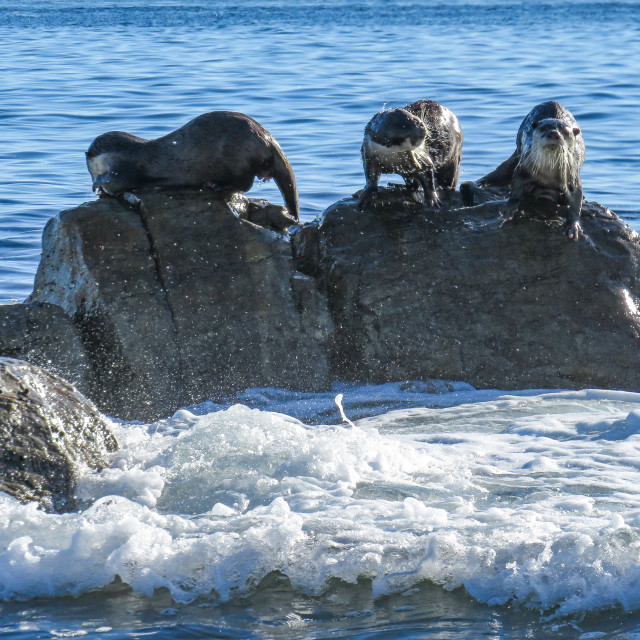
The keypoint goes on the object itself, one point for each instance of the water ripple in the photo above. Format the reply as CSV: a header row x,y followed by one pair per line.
x,y
313,74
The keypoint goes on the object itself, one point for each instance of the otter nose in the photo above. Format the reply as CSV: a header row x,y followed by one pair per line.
x,y
554,134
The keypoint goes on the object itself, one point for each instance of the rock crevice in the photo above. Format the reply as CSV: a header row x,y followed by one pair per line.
x,y
153,252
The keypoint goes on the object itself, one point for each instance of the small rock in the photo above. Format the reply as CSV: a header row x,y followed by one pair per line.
x,y
47,430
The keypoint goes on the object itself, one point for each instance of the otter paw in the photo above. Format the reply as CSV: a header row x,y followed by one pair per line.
x,y
132,199
573,230
509,213
216,188
432,200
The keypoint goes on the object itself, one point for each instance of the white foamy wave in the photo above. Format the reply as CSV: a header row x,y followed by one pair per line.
x,y
525,498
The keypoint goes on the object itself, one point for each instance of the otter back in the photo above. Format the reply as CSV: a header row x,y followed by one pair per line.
x,y
224,150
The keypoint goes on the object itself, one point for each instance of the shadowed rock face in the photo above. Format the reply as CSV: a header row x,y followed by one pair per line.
x,y
47,430
182,301
455,294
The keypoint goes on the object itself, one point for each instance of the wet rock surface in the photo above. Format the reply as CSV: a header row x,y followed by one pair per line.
x,y
185,299
48,431
182,300
455,294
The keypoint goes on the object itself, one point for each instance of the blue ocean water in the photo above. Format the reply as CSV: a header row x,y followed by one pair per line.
x,y
445,512
313,73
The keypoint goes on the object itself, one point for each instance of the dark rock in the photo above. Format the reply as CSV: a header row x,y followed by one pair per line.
x,y
44,335
47,430
180,301
452,293
183,298
97,265
262,212
305,248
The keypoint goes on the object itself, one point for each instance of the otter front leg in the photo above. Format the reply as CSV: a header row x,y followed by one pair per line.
x,y
519,188
371,188
572,227
428,182
426,175
366,197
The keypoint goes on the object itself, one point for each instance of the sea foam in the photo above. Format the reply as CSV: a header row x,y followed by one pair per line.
x,y
526,498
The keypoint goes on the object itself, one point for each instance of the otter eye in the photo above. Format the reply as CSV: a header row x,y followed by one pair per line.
x,y
534,124
576,131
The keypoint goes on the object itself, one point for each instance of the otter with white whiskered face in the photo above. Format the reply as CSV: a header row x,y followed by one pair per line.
x,y
544,168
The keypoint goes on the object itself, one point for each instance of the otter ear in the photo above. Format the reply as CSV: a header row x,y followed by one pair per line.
x,y
534,124
576,131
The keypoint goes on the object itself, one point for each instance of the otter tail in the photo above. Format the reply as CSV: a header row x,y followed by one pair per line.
x,y
282,173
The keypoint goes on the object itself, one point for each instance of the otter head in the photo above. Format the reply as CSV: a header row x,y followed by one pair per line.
x,y
397,130
552,133
99,166
108,174
112,162
552,149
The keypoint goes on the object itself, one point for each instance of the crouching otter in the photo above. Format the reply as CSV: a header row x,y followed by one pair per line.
x,y
544,168
222,149
421,142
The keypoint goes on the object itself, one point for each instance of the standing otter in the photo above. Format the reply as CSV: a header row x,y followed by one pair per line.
x,y
221,149
545,166
422,142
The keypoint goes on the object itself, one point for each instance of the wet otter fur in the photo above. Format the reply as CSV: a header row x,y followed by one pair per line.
x,y
421,142
545,166
224,150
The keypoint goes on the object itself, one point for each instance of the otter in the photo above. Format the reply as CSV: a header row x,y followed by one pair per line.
x,y
421,142
545,166
224,150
